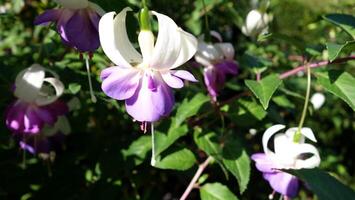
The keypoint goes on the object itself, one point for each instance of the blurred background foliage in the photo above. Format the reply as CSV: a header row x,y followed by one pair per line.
x,y
99,162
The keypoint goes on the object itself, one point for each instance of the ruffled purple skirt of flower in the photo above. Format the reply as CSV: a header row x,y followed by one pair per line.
x,y
282,182
27,118
77,28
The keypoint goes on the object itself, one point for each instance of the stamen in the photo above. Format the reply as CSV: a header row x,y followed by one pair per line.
x,y
81,56
93,98
271,196
144,127
153,161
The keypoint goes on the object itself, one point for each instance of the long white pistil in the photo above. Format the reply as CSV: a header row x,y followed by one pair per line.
x,y
153,161
93,98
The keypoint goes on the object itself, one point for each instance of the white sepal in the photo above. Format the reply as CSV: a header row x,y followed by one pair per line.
x,y
45,99
28,83
114,39
268,134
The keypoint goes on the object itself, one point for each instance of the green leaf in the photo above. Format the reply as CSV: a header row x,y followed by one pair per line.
x,y
346,22
340,84
216,191
265,88
138,149
323,185
181,159
74,88
283,101
187,109
258,64
237,161
335,49
208,142
252,108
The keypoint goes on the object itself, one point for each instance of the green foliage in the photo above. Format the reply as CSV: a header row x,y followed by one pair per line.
x,y
340,84
324,185
264,89
216,191
346,22
335,49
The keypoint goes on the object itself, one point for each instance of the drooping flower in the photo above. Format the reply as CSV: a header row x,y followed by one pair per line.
x,y
287,155
317,100
77,23
37,103
218,60
145,80
256,23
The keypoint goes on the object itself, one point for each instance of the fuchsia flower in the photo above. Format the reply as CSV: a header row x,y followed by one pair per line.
x,y
77,23
37,103
218,60
145,81
287,155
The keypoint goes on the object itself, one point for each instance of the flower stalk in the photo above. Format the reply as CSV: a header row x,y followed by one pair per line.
x,y
144,17
298,134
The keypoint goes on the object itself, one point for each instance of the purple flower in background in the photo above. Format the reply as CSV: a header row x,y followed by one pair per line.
x,y
287,155
77,23
37,103
145,81
218,60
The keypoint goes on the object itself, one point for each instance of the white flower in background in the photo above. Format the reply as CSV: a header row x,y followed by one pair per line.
x,y
317,100
256,23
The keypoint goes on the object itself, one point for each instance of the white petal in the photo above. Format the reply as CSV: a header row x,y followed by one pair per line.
x,y
202,60
188,48
291,132
73,4
114,39
29,82
311,162
173,47
172,81
283,150
268,134
227,49
317,100
216,35
45,99
209,51
97,8
167,46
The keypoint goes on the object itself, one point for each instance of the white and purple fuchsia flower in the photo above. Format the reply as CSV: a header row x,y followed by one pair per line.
x,y
77,23
37,105
218,60
145,80
287,155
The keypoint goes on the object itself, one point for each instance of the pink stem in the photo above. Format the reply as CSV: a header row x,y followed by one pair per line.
x,y
258,77
197,175
314,65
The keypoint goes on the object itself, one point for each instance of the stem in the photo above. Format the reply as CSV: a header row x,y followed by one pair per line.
x,y
258,76
315,65
207,30
153,161
197,175
297,136
93,98
144,17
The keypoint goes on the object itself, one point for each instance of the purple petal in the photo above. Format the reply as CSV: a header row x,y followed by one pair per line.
x,y
228,67
95,19
32,122
57,108
48,16
46,115
283,183
210,78
184,75
120,83
147,105
81,33
263,163
14,116
172,81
